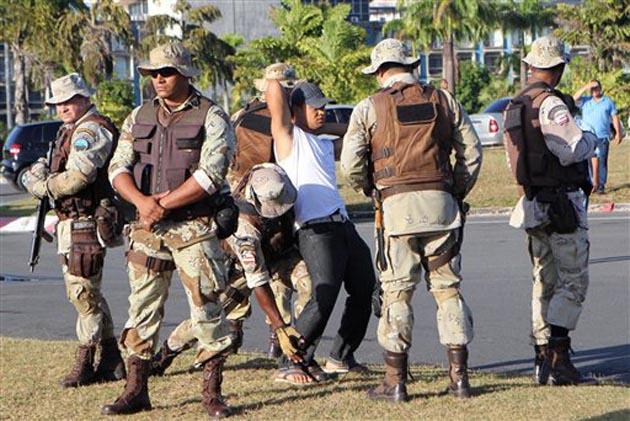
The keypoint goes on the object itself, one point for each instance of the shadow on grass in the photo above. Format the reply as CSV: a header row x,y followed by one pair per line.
x,y
622,414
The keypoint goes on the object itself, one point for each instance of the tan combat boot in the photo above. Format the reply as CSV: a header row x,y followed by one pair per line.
x,y
541,370
82,372
458,371
212,378
394,386
135,397
111,366
562,370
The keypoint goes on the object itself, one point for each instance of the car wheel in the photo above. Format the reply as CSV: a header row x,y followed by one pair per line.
x,y
19,180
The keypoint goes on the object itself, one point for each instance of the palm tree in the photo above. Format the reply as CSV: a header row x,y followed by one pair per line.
x,y
449,21
296,20
525,15
97,27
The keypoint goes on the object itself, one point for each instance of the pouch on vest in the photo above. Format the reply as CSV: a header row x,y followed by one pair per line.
x,y
514,141
86,254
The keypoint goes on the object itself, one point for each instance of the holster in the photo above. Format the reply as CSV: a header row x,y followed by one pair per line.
x,y
562,215
109,223
226,216
86,253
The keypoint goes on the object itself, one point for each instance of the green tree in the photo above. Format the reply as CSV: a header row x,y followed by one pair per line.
x,y
27,26
115,99
473,79
525,16
97,28
604,25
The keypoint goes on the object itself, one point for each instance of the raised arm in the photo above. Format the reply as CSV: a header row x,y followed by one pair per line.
x,y
578,94
281,125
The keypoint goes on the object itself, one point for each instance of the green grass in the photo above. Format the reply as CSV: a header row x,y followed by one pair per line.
x,y
30,370
22,207
496,187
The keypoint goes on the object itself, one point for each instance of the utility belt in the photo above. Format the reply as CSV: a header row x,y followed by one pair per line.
x,y
335,217
404,188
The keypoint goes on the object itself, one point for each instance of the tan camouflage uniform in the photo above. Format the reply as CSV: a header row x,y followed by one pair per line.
x,y
92,146
191,245
418,225
288,273
560,261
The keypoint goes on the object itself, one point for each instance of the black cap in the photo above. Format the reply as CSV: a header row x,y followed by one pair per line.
x,y
309,93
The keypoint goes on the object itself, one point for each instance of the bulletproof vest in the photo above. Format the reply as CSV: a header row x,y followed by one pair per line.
x,y
254,144
276,234
532,163
84,202
169,148
411,145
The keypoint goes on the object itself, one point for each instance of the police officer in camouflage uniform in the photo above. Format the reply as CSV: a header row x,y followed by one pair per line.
x,y
399,143
548,155
254,145
76,181
170,163
262,251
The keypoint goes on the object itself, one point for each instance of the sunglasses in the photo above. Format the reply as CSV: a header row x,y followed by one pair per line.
x,y
165,72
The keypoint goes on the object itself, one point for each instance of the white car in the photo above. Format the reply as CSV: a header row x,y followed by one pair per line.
x,y
489,123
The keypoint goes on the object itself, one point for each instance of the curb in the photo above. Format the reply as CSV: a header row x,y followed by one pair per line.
x,y
16,225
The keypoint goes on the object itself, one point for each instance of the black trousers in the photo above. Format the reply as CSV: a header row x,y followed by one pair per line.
x,y
335,254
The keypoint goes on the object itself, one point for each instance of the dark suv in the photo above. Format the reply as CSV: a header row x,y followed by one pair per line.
x,y
24,145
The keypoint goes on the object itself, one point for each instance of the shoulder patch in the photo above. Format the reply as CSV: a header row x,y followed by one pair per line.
x,y
82,143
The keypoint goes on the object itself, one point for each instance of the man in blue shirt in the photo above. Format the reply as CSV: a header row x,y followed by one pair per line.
x,y
598,112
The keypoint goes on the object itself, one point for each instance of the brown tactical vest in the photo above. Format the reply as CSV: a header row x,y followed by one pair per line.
x,y
254,144
532,163
277,237
411,145
83,203
169,148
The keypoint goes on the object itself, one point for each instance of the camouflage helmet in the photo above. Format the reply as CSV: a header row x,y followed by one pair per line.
x,y
269,190
283,73
173,55
389,50
546,52
67,87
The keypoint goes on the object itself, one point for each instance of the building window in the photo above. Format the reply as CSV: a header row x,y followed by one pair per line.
x,y
435,63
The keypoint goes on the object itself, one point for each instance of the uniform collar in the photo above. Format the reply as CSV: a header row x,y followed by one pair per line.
x,y
192,101
88,113
400,77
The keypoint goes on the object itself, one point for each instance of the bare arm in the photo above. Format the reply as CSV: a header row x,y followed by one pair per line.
x,y
578,94
281,125
617,125
187,193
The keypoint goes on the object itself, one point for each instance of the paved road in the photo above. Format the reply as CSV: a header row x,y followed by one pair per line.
x,y
496,286
8,193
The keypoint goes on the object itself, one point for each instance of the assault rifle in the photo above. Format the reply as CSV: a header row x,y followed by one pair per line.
x,y
40,228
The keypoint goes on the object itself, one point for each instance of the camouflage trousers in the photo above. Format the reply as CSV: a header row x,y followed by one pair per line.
x,y
289,275
405,255
200,263
560,275
94,320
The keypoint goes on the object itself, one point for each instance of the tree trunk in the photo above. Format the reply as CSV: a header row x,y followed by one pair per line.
x,y
226,97
20,97
523,71
448,63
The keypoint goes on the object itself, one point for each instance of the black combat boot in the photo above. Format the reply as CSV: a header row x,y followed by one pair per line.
x,y
274,350
394,386
212,378
82,372
458,371
562,370
236,328
541,370
135,397
111,366
164,358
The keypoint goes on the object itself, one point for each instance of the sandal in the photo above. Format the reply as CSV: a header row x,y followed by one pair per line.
x,y
283,375
317,372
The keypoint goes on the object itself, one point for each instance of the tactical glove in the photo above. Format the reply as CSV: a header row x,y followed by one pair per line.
x,y
289,340
35,184
39,169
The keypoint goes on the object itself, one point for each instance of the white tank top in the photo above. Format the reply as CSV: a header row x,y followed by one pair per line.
x,y
311,168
